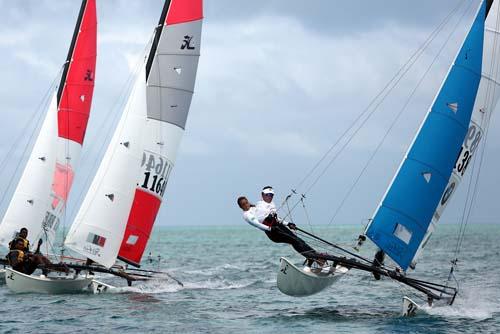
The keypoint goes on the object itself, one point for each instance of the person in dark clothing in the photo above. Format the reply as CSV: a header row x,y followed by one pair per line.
x,y
277,231
24,261
20,260
21,235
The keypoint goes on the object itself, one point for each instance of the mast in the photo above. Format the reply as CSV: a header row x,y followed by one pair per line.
x,y
62,82
173,62
402,220
39,199
156,38
119,210
74,103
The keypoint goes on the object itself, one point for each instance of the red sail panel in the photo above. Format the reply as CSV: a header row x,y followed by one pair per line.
x,y
62,181
184,11
139,225
76,97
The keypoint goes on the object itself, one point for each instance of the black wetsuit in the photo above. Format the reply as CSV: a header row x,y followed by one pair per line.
x,y
281,234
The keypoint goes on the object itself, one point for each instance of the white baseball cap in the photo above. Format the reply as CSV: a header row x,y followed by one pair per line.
x,y
268,190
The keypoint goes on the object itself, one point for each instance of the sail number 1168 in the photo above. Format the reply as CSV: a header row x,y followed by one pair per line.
x,y
156,170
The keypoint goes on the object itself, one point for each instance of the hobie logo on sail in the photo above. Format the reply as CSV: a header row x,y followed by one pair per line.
x,y
89,76
156,170
186,43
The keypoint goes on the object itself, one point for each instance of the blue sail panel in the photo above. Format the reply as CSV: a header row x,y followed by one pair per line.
x,y
401,221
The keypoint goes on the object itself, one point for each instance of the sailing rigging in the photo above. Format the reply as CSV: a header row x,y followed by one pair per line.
x,y
118,212
428,175
39,200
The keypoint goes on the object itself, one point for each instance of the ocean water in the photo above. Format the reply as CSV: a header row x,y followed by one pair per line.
x,y
229,276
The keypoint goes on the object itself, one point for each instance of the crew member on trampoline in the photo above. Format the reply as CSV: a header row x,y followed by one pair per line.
x,y
277,230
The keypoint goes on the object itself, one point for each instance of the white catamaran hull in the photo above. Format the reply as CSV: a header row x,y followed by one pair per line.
x,y
21,283
296,282
410,308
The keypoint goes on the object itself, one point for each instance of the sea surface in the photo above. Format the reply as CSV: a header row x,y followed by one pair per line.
x,y
229,276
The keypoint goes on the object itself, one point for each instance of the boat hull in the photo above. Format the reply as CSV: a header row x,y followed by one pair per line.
x,y
296,282
21,283
2,276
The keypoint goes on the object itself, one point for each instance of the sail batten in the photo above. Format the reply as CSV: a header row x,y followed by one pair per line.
x,y
401,223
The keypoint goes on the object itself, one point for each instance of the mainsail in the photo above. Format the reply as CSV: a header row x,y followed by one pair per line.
x,y
170,76
119,210
406,216
40,197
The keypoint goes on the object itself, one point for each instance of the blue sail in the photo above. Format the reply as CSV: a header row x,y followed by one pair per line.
x,y
403,217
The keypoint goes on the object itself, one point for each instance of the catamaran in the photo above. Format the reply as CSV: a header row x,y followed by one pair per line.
x,y
428,176
116,216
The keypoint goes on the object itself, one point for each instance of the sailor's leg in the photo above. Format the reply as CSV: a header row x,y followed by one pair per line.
x,y
378,261
30,267
297,243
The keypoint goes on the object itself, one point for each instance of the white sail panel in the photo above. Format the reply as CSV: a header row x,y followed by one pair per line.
x,y
99,226
31,198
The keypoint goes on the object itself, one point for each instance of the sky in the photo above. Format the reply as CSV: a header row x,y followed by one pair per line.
x,y
278,82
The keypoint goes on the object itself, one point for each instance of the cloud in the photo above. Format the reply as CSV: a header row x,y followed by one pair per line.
x,y
276,85
30,58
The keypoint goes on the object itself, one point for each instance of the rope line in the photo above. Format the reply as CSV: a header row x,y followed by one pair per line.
x,y
398,116
375,103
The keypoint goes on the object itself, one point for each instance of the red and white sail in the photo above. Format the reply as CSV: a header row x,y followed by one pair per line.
x,y
119,210
40,198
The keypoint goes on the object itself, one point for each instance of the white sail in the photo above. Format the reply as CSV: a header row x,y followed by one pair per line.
x,y
99,225
172,65
118,213
75,95
31,198
55,155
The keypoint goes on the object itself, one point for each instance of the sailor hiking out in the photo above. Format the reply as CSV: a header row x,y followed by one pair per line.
x,y
264,217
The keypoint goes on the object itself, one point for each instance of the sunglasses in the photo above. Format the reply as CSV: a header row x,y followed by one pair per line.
x,y
271,195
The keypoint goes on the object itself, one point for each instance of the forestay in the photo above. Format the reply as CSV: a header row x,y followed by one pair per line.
x,y
402,219
40,197
125,195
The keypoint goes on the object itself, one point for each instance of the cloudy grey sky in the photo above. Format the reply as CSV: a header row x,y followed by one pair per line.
x,y
278,82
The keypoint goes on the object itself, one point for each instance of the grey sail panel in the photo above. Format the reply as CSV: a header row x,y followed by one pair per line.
x,y
173,72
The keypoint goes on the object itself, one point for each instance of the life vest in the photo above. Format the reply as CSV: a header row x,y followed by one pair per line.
x,y
20,256
26,246
270,221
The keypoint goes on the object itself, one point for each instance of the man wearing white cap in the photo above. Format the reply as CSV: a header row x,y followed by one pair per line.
x,y
264,217
265,207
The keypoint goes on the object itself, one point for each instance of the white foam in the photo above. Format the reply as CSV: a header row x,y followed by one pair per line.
x,y
472,303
